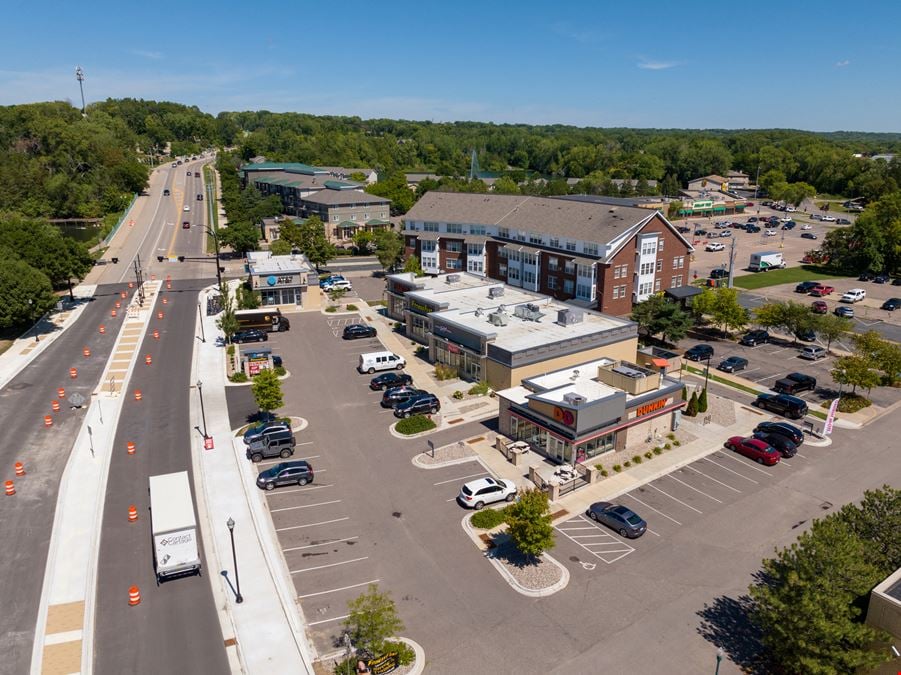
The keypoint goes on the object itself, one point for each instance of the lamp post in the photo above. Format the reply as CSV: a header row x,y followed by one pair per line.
x,y
215,236
202,411
719,658
231,531
707,372
202,333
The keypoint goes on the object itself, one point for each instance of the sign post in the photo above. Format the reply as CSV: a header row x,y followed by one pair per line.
x,y
431,445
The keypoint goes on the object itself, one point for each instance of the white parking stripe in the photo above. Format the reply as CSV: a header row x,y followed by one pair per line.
x,y
322,543
768,377
305,443
783,462
675,499
322,567
741,460
798,454
652,532
305,506
279,493
725,468
652,508
270,462
301,527
713,479
693,488
335,590
337,618
474,475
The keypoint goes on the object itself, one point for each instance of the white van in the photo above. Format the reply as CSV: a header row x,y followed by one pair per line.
x,y
369,363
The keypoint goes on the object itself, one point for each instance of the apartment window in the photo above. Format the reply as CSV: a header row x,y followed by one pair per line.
x,y
675,282
334,219
552,265
528,277
616,292
514,256
659,264
453,246
646,268
552,283
366,216
678,262
476,229
353,216
453,264
474,249
383,215
645,288
649,247
616,272
475,266
513,274
622,291
660,244
590,249
656,285
455,228
620,271
502,252
554,242
503,232
583,291
570,246
520,236
430,227
535,238
569,267
529,259
568,286
428,246
502,270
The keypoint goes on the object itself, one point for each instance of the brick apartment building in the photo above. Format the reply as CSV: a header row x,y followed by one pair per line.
x,y
605,256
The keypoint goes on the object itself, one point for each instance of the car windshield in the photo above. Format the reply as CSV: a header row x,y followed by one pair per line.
x,y
633,519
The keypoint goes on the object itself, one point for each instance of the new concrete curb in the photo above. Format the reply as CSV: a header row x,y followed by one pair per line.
x,y
440,465
419,663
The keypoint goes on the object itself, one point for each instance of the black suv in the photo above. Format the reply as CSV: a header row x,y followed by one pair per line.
x,y
806,286
396,395
259,430
358,330
389,380
250,335
790,431
699,353
719,273
278,444
425,403
755,337
794,383
285,473
784,445
782,404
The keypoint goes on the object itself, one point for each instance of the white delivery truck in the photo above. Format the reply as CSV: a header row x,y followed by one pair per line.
x,y
766,260
175,546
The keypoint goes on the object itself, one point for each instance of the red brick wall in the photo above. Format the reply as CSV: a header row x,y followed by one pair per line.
x,y
544,272
445,255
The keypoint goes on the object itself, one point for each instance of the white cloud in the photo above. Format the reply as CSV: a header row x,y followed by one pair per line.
x,y
843,63
649,64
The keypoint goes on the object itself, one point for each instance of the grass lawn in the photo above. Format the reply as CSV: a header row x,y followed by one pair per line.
x,y
788,275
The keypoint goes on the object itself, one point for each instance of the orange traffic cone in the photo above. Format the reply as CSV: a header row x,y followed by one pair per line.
x,y
148,360
137,394
156,334
159,315
102,329
48,421
86,351
73,373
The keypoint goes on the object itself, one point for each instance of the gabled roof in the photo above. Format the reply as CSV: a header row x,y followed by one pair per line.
x,y
331,197
290,167
712,178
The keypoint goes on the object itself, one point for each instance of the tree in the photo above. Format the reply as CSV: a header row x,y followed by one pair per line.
x,y
831,327
394,187
890,363
807,603
314,243
855,371
722,306
228,322
267,390
691,410
877,522
506,186
529,523
412,264
389,248
702,401
280,247
363,242
790,316
241,236
247,298
25,293
657,315
372,620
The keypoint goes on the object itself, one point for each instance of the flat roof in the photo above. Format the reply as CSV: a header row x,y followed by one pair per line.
x,y
279,264
591,390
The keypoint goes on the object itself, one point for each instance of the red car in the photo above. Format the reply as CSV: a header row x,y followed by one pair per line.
x,y
820,291
819,307
186,225
755,449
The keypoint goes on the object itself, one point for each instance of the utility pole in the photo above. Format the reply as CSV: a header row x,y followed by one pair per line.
x,y
757,183
139,280
79,75
731,262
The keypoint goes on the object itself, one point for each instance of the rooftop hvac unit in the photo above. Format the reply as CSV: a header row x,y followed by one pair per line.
x,y
629,372
532,307
453,278
495,291
497,318
569,316
528,312
573,398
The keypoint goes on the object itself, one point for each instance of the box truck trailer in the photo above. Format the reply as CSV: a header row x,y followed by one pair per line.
x,y
766,260
175,547
269,319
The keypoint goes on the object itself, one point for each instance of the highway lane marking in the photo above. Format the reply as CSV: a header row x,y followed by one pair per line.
x,y
303,489
335,590
181,210
713,479
700,492
746,463
129,266
651,507
304,506
675,499
301,527
324,543
451,480
725,468
337,618
322,567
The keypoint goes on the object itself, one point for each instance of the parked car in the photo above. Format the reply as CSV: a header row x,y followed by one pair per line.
x,y
478,493
807,226
785,447
683,229
752,219
720,224
619,518
854,295
401,394
896,281
340,284
389,380
845,311
279,444
795,383
332,278
358,330
880,279
419,405
828,219
249,335
808,235
700,232
806,335
806,286
821,290
816,216
719,273
285,473
891,304
699,352
790,225
843,221
812,352
257,431
819,307
771,233
732,364
755,449
790,431
782,404
714,246
866,276
755,337
726,233
752,229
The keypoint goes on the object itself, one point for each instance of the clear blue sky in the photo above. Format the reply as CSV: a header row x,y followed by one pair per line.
x,y
820,65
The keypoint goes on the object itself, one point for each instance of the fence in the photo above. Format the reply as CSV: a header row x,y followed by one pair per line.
x,y
108,238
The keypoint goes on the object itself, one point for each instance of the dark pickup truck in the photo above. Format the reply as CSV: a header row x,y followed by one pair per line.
x,y
794,383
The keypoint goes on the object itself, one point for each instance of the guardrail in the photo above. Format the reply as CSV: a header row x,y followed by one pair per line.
x,y
108,238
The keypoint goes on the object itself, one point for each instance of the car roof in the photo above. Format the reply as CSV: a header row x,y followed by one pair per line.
x,y
480,483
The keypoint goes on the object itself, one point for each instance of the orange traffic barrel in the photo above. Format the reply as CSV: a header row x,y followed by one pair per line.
x,y
86,351
131,284
134,596
73,373
123,295
102,329
165,301
112,313
148,360
168,285
159,315
137,394
156,334
132,513
61,393
20,469
10,488
131,447
54,405
118,304
48,421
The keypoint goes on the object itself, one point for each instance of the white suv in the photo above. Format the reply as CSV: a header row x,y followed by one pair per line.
x,y
714,247
477,493
854,295
336,285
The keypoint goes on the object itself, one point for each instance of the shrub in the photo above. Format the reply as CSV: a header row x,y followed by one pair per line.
x,y
352,308
636,459
444,372
398,325
666,446
617,468
331,308
684,393
405,653
422,351
702,401
627,464
604,473
850,403
659,450
487,519
691,410
280,371
649,454
671,436
677,443
599,467
479,389
458,394
238,377
230,350
414,425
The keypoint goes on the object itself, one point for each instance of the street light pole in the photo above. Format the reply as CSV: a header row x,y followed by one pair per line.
x,y
719,658
202,411
215,236
707,372
200,314
231,531
79,75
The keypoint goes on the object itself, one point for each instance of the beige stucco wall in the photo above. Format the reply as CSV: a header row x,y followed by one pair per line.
x,y
884,612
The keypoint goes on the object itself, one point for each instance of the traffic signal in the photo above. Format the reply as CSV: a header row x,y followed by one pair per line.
x,y
221,269
159,258
115,261
181,258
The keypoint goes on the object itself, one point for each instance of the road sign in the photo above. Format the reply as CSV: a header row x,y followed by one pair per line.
x,y
208,443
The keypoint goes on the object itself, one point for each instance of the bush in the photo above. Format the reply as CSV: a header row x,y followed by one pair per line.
x,y
230,350
599,467
405,653
487,519
659,450
352,308
850,403
666,446
671,436
627,464
702,401
422,351
238,377
458,394
677,443
691,410
414,425
649,454
636,459
331,308
604,473
280,371
617,468
444,372
479,389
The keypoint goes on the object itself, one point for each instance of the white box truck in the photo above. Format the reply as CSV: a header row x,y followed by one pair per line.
x,y
766,260
174,527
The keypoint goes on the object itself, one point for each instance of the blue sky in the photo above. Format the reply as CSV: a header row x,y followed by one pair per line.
x,y
821,65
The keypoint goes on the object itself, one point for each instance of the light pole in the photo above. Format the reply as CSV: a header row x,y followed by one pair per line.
x,y
202,411
215,236
79,75
707,372
200,314
719,658
231,531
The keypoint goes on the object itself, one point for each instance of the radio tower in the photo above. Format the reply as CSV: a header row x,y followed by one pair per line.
x,y
79,75
474,166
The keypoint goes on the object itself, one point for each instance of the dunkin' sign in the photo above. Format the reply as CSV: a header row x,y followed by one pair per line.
x,y
648,408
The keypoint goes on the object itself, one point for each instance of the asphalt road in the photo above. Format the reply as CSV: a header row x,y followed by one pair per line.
x,y
26,519
175,629
664,607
